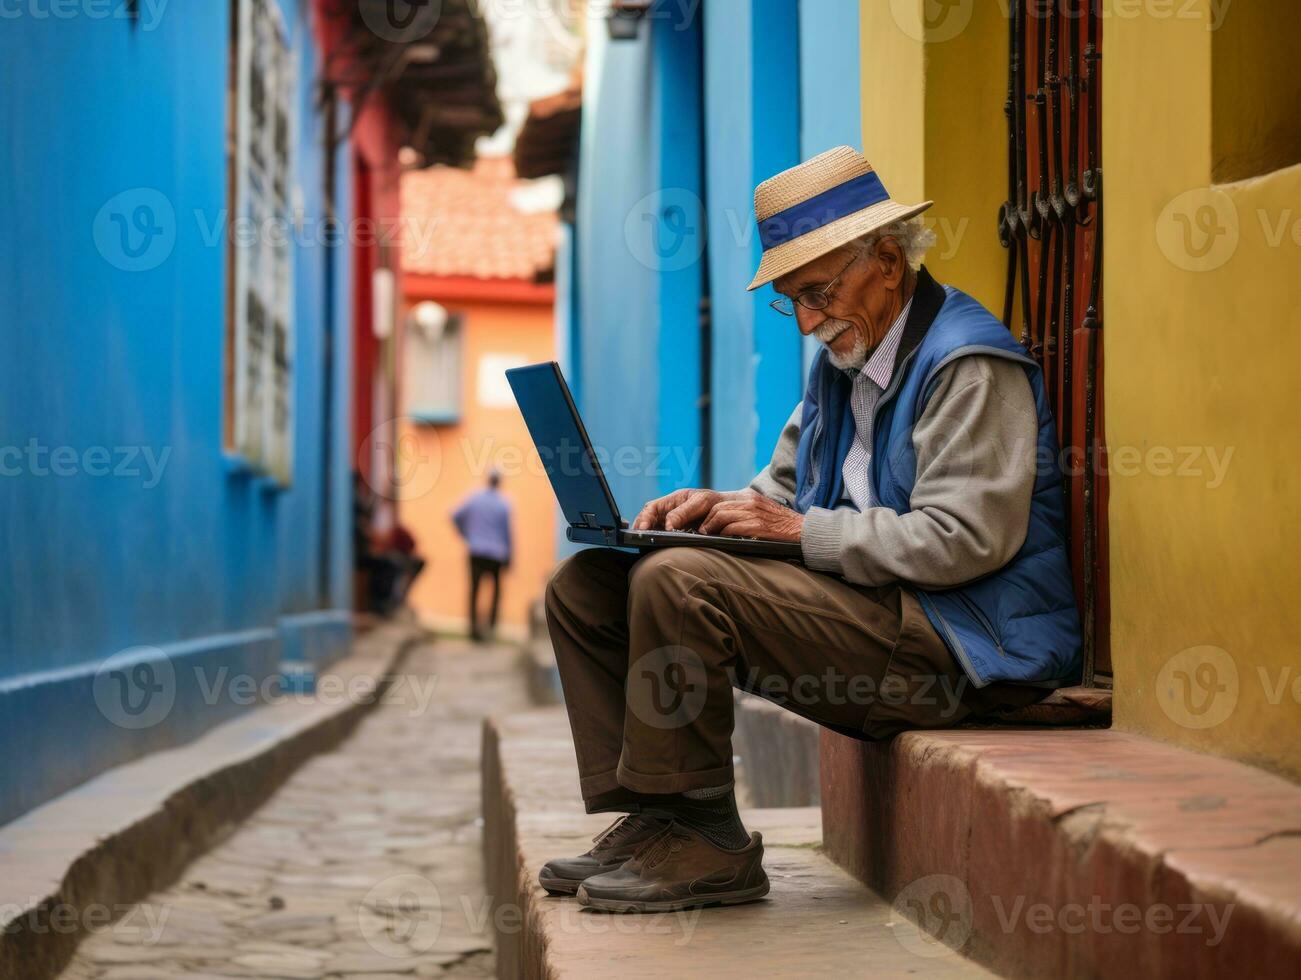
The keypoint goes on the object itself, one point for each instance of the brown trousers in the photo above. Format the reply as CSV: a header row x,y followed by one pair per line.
x,y
649,649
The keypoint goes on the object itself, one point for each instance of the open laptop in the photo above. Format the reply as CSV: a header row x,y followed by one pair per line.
x,y
581,487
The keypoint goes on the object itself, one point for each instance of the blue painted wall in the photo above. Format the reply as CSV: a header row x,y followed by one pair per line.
x,y
684,120
830,103
752,104
830,112
634,356
164,544
680,242
616,310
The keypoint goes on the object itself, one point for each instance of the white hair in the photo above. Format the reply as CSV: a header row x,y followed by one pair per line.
x,y
912,235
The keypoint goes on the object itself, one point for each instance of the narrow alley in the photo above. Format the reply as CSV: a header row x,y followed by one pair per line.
x,y
367,859
573,489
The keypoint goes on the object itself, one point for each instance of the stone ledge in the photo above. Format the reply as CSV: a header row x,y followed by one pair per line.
x,y
778,751
130,831
538,660
1064,824
816,921
1066,707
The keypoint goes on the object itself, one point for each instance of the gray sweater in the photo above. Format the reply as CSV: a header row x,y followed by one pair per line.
x,y
975,446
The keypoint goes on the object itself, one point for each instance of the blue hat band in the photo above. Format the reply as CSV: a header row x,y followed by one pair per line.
x,y
822,209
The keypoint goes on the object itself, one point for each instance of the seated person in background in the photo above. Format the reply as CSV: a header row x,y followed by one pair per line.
x,y
388,562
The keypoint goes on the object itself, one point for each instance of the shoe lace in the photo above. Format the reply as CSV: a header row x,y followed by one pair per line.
x,y
663,846
621,829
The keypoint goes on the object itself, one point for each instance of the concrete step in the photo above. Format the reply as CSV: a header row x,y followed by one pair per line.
x,y
1086,853
817,921
777,754
70,865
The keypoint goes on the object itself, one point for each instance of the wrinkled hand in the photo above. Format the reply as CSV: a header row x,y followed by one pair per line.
x,y
748,514
680,510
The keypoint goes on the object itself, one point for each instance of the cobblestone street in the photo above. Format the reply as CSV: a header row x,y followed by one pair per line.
x,y
365,863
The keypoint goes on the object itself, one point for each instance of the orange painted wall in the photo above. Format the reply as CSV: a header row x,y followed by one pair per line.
x,y
486,437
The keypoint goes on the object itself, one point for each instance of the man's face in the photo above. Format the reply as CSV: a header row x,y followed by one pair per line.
x,y
863,303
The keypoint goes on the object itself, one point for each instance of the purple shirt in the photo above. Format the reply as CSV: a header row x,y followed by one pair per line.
x,y
484,522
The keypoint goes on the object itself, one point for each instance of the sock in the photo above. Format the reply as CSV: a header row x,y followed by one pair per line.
x,y
712,812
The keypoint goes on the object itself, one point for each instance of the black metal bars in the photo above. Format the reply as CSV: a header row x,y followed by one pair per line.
x,y
1051,226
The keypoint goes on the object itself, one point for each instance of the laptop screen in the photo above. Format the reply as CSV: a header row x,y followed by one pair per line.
x,y
561,441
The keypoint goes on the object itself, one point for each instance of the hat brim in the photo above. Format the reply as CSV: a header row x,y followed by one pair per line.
x,y
789,256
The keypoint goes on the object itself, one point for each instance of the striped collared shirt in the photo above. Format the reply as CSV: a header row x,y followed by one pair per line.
x,y
869,384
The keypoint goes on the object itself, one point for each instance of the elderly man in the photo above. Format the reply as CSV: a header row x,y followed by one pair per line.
x,y
919,476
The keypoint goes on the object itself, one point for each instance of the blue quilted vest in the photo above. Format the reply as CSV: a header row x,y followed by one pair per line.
x,y
1019,623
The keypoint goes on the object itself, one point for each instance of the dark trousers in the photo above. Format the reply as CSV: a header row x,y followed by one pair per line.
x,y
391,575
650,648
479,567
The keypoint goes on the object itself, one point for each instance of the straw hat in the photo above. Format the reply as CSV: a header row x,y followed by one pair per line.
x,y
814,208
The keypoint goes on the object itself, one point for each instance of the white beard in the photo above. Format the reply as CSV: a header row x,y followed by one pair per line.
x,y
852,361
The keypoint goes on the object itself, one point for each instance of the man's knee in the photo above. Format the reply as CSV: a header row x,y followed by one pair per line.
x,y
562,583
573,577
666,575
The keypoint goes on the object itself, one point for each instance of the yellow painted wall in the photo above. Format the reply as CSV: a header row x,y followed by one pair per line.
x,y
1256,88
933,126
1203,338
894,100
1202,321
486,437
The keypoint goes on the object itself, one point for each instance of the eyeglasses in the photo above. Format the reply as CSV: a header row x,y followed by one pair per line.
x,y
811,299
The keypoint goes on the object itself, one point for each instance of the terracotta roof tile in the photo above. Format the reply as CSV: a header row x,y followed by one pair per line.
x,y
462,223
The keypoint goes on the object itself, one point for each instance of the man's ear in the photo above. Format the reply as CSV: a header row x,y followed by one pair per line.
x,y
890,257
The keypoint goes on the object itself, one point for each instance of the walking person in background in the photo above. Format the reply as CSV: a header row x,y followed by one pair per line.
x,y
483,521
